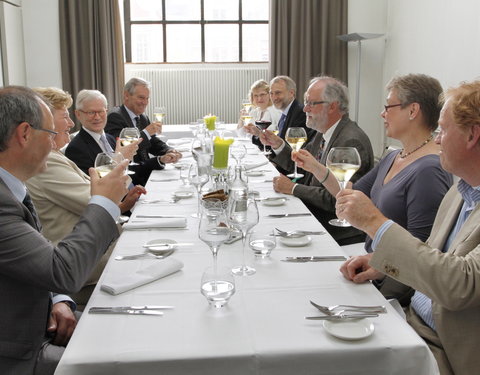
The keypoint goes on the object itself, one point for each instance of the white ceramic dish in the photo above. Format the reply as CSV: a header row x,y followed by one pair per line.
x,y
160,249
274,202
182,194
295,241
350,329
254,173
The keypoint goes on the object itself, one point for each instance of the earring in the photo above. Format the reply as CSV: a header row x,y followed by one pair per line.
x,y
410,118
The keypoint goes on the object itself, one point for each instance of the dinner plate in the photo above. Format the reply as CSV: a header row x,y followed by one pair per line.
x,y
295,241
161,249
180,165
274,202
183,194
349,329
254,173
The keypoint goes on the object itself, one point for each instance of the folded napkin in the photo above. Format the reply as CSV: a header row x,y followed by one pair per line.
x,y
249,166
119,283
147,223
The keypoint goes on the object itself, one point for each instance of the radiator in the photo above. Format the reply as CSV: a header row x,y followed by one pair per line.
x,y
190,92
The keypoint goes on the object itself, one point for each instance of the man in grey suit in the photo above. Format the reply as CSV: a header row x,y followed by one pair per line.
x,y
35,321
326,106
444,270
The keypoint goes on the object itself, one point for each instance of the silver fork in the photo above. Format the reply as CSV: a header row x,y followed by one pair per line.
x,y
173,199
332,310
298,233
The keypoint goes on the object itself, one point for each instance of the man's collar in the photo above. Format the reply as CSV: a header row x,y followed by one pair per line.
x,y
94,135
328,134
285,111
16,186
131,114
470,194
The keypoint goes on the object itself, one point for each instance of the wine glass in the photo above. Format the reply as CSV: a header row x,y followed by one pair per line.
x,y
296,137
159,113
213,229
262,241
217,286
246,112
343,162
238,151
262,126
242,216
128,136
197,177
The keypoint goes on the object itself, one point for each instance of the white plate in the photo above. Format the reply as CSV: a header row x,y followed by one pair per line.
x,y
181,165
183,194
295,241
254,173
350,329
162,249
274,202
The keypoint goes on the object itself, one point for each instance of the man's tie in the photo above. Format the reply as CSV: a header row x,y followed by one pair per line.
x,y
137,121
281,123
106,146
321,148
27,202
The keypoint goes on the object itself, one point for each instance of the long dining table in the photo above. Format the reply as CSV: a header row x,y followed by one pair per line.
x,y
262,330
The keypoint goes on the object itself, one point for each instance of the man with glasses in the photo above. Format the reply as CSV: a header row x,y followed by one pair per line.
x,y
136,95
36,324
326,106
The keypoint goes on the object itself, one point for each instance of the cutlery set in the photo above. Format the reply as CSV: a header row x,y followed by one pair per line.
x,y
341,312
130,310
320,258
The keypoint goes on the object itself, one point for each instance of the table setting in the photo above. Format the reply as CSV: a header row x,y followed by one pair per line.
x,y
250,286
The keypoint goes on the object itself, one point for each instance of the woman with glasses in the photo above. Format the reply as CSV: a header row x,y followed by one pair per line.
x,y
408,184
262,109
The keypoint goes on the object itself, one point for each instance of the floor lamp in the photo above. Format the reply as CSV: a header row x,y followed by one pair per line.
x,y
358,37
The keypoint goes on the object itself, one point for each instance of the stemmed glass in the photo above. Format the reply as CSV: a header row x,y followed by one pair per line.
x,y
296,137
159,113
246,116
197,177
343,162
238,151
128,136
262,126
242,216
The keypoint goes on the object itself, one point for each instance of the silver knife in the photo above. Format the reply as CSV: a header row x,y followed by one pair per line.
x,y
315,258
168,245
341,317
128,312
166,180
159,216
146,307
289,215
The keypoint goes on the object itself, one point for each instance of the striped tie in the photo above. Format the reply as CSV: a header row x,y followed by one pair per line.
x,y
106,146
27,202
281,123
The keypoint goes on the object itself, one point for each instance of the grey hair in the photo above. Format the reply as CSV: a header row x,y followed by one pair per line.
x,y
133,83
87,95
335,91
18,104
289,83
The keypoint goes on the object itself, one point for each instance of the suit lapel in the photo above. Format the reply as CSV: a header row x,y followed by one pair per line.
x,y
467,228
126,116
93,147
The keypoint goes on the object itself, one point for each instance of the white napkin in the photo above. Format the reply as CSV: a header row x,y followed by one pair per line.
x,y
249,166
119,283
148,223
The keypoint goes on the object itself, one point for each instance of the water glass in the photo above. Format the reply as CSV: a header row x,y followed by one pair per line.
x,y
262,242
217,286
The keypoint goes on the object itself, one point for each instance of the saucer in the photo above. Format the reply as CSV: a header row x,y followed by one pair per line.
x,y
274,202
350,329
160,250
182,194
295,241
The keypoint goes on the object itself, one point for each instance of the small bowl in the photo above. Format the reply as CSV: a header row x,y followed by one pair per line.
x,y
295,241
182,194
160,250
274,202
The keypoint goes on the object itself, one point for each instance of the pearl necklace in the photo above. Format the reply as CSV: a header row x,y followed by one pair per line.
x,y
403,156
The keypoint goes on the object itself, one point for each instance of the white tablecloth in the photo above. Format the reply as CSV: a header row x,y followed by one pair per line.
x,y
262,330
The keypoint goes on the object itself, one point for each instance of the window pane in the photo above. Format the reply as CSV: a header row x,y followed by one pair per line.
x,y
255,42
221,10
221,43
183,43
255,10
182,10
145,10
147,43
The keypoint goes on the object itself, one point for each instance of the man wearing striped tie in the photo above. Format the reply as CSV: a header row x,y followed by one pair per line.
x,y
444,270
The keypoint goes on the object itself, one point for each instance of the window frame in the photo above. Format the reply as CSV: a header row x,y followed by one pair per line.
x,y
202,22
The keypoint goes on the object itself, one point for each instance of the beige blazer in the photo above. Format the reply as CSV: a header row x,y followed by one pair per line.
x,y
451,280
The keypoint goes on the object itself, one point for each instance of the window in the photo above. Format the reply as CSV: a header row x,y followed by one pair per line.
x,y
183,31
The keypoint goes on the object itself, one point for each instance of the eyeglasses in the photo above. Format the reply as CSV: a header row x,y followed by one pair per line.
x,y
387,107
92,114
52,133
311,104
262,95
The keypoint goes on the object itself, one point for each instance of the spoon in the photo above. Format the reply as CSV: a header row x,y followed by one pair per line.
x,y
157,255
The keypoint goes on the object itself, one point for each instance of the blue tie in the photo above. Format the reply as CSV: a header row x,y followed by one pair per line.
x,y
281,123
106,146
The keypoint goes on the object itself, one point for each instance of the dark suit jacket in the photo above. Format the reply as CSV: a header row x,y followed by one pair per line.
x,y
117,119
31,267
83,149
320,202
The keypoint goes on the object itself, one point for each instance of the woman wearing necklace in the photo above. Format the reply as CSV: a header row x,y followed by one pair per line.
x,y
407,185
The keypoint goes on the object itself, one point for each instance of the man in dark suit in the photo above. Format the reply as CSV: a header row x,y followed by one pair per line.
x,y
327,113
34,324
131,114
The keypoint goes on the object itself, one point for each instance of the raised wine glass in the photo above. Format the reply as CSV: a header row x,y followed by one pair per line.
x,y
159,113
246,112
296,137
343,162
197,177
128,136
262,126
242,216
